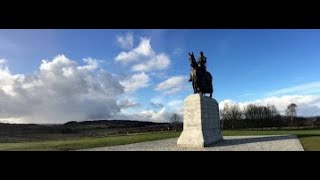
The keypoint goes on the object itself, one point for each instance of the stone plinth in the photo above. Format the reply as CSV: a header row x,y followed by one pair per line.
x,y
201,123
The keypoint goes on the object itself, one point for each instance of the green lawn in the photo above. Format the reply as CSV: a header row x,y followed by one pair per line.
x,y
309,138
84,143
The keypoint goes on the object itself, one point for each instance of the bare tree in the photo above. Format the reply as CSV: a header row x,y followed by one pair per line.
x,y
291,111
274,115
231,113
175,118
261,115
256,116
273,111
250,112
224,112
175,121
236,113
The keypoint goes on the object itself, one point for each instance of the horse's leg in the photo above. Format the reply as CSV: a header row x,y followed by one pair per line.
x,y
193,86
192,79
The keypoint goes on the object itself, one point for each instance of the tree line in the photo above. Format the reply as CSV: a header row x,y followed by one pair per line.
x,y
256,117
261,117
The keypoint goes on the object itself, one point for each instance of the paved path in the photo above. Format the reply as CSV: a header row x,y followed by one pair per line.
x,y
230,143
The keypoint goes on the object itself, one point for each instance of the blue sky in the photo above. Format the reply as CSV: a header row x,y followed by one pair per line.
x,y
247,65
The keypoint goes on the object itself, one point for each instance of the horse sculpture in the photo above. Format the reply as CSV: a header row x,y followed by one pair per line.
x,y
200,78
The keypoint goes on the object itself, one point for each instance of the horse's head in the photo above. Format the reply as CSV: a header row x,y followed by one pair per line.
x,y
192,60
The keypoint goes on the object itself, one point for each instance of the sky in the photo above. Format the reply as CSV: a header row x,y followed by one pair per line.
x,y
61,75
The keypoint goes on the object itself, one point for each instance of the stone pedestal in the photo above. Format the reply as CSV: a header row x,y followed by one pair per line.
x,y
201,122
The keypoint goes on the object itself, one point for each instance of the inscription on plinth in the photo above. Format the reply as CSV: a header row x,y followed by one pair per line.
x,y
201,123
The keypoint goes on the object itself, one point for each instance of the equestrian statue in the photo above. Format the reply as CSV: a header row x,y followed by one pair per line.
x,y
199,76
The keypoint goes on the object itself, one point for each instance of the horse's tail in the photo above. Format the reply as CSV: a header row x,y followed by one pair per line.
x,y
209,82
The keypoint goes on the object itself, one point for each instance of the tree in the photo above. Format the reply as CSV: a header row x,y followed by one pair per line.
x,y
261,116
236,113
275,116
250,112
175,121
224,112
231,114
273,110
175,118
291,111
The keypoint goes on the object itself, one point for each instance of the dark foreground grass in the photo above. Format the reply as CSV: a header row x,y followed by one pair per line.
x,y
84,143
309,138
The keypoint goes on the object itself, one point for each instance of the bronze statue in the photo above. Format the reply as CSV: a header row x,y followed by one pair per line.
x,y
202,60
201,79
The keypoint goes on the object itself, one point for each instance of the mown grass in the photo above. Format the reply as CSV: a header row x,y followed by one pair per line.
x,y
84,143
309,138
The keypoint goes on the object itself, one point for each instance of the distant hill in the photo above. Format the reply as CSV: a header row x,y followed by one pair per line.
x,y
73,129
117,123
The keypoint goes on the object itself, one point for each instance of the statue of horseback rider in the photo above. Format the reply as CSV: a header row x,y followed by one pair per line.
x,y
201,79
202,60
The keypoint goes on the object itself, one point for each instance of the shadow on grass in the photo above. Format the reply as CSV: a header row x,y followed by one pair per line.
x,y
307,135
232,142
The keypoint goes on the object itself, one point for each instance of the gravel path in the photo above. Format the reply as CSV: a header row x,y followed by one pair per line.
x,y
230,143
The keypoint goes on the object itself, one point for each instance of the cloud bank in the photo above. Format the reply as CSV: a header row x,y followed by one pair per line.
x,y
307,105
172,85
60,91
144,57
125,42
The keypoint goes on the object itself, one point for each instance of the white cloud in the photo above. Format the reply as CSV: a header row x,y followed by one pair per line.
x,y
308,88
158,62
172,85
176,106
147,115
142,51
60,91
157,116
135,82
146,58
225,102
92,64
158,101
3,61
156,105
175,103
163,114
307,105
126,41
12,120
128,103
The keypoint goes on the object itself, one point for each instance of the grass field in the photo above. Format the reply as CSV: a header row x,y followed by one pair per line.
x,y
83,143
309,138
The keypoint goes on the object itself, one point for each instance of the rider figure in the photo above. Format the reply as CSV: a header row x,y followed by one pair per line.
x,y
201,79
202,62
